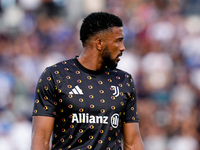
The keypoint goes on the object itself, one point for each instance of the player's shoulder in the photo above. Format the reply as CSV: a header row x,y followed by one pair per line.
x,y
65,64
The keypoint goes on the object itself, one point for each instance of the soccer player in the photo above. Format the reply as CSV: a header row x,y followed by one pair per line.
x,y
85,102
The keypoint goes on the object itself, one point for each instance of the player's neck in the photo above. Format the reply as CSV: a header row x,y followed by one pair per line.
x,y
91,61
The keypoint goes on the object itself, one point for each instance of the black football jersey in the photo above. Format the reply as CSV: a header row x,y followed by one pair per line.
x,y
89,107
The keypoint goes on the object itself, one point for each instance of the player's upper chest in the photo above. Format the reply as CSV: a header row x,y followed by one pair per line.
x,y
76,87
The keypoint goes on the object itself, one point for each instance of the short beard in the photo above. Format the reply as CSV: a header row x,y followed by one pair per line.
x,y
107,59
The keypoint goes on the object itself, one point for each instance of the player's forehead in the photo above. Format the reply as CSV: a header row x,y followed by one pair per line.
x,y
116,32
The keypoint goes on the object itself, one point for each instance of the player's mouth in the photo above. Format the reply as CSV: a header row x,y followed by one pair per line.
x,y
118,59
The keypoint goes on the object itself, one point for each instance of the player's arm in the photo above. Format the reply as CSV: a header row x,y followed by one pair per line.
x,y
41,132
132,138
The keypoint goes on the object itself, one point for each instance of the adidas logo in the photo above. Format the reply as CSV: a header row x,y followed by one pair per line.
x,y
76,90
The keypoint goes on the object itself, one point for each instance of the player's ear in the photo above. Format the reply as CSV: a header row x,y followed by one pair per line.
x,y
99,44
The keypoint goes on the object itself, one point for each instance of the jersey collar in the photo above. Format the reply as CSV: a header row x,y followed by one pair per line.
x,y
80,66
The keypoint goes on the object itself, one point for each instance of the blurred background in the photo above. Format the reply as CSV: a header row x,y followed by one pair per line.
x,y
162,40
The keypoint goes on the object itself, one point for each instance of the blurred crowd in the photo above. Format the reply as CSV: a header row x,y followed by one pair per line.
x,y
162,40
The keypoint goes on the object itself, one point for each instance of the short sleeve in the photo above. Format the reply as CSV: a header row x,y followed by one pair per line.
x,y
131,114
45,95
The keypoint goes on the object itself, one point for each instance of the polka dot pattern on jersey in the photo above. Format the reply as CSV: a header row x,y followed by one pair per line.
x,y
89,107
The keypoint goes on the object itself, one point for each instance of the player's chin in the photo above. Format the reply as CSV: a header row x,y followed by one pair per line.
x,y
116,63
117,60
